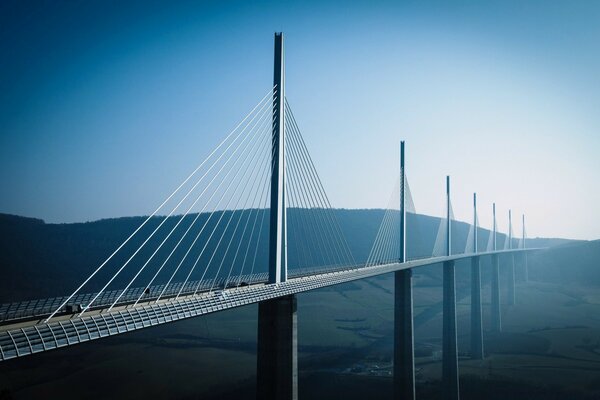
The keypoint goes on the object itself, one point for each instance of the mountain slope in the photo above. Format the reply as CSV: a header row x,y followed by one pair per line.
x,y
42,260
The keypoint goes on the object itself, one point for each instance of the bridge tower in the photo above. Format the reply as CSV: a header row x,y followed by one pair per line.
x,y
476,324
511,263
449,340
404,361
496,318
277,353
525,267
277,224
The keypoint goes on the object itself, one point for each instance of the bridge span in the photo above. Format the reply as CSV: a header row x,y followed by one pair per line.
x,y
269,161
25,336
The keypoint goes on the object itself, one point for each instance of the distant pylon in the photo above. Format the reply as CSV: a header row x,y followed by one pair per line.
x,y
404,346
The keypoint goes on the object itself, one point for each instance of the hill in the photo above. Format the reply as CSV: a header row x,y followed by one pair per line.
x,y
43,260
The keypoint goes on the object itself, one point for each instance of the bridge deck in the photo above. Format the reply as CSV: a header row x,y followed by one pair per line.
x,y
23,337
38,308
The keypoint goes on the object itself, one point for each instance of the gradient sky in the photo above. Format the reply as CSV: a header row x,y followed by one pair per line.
x,y
106,106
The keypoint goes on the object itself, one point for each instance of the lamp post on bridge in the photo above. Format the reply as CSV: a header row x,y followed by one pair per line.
x,y
476,318
449,340
277,353
404,361
496,317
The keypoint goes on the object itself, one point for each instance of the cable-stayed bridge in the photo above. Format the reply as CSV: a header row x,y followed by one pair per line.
x,y
253,224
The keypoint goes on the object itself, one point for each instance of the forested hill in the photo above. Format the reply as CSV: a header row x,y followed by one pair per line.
x,y
42,260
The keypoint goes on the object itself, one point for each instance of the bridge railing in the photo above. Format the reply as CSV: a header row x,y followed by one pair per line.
x,y
42,307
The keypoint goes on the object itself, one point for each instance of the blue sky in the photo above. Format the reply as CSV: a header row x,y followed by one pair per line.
x,y
106,106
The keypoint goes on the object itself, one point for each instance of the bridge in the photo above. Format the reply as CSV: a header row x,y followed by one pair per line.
x,y
258,227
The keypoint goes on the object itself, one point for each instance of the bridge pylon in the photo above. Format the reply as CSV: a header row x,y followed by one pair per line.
x,y
449,339
277,224
495,309
525,267
404,358
277,353
511,264
476,318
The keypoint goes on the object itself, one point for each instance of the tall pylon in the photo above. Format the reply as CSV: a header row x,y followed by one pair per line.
x,y
278,231
511,264
525,266
449,338
495,311
476,317
404,347
277,353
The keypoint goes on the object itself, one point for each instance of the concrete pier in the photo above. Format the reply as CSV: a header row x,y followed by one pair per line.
x,y
277,358
476,324
404,346
495,311
525,267
511,264
449,346
511,295
404,358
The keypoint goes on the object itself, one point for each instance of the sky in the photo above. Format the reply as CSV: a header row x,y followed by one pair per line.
x,y
105,106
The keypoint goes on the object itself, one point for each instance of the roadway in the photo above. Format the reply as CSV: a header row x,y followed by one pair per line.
x,y
30,335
